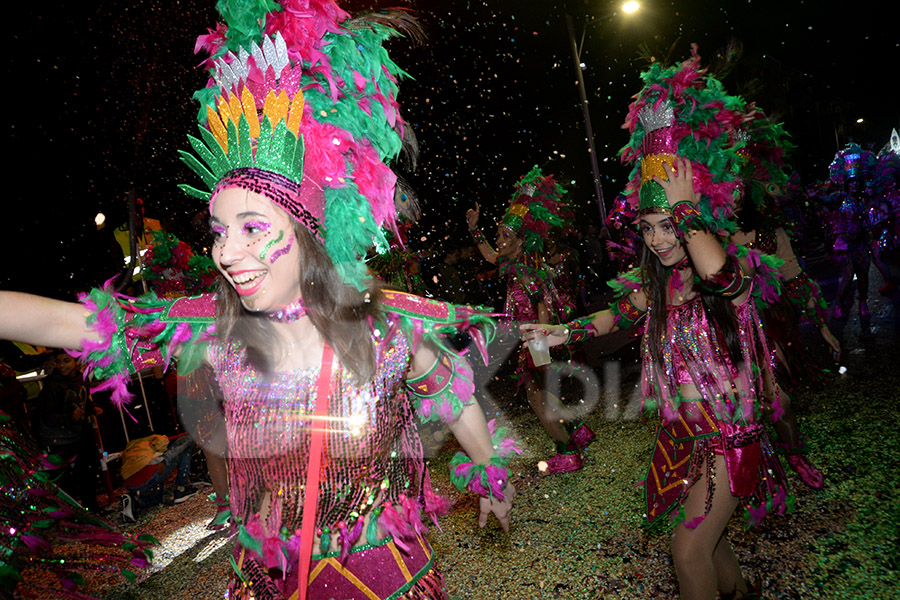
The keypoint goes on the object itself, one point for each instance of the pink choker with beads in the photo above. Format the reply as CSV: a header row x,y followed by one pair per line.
x,y
290,313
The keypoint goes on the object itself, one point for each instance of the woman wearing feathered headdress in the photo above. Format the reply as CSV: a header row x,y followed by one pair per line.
x,y
322,373
537,211
705,358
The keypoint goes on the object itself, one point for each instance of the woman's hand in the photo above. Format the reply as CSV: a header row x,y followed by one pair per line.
x,y
556,334
680,184
500,509
472,217
831,341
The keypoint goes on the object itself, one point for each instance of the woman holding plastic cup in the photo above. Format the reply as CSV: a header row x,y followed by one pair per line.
x,y
705,361
537,210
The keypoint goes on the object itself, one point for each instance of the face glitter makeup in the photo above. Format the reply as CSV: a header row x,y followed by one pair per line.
x,y
262,255
282,251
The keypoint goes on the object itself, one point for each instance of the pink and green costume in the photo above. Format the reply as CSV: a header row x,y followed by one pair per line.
x,y
375,495
724,420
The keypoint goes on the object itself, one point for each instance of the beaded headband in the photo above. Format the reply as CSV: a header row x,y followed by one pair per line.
x,y
301,107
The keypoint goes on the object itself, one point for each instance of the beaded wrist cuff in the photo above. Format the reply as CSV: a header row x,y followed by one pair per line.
x,y
580,329
478,236
687,217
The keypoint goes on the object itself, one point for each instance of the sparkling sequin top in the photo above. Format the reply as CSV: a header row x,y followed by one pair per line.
x,y
372,451
691,352
522,300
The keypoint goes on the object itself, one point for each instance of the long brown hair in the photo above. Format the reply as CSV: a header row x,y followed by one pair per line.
x,y
719,310
339,312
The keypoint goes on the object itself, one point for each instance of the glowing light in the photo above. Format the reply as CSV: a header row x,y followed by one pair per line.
x,y
842,370
542,466
100,219
630,7
859,120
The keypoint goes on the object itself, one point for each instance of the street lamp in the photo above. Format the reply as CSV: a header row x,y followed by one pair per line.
x,y
629,8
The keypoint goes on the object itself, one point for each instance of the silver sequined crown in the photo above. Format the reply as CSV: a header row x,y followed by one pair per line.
x,y
652,119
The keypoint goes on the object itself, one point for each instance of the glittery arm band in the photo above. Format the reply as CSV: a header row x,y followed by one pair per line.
x,y
729,281
625,312
488,480
134,334
804,293
444,391
580,329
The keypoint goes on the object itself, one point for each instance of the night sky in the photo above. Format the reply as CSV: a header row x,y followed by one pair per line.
x,y
99,98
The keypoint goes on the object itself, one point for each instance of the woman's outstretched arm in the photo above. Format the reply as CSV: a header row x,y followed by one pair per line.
x,y
43,321
620,315
487,251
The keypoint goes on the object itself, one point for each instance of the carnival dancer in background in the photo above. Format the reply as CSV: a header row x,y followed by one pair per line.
x,y
537,211
322,373
761,226
849,171
884,213
705,358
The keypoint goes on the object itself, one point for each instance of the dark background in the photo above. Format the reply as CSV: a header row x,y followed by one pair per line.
x,y
98,99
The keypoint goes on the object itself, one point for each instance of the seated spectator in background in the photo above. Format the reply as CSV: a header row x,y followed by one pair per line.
x,y
13,396
65,427
146,464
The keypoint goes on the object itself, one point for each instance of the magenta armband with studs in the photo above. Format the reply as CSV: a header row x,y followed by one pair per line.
x,y
626,314
444,391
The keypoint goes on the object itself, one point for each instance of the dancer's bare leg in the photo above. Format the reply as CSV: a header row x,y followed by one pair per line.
x,y
544,404
699,562
218,473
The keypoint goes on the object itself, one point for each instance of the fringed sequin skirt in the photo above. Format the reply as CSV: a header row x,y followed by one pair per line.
x,y
381,571
685,450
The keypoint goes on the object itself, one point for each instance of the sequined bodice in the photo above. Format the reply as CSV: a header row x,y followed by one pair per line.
x,y
691,352
372,452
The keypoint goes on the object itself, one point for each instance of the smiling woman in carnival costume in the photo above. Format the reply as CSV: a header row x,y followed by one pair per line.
x,y
322,375
537,211
705,358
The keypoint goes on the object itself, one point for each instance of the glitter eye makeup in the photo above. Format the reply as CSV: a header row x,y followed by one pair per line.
x,y
282,251
257,227
218,233
262,255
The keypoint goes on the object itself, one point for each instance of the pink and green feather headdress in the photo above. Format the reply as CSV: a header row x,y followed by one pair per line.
x,y
537,208
683,111
302,107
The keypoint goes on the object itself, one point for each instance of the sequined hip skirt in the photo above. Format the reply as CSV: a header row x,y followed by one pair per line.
x,y
688,445
380,571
